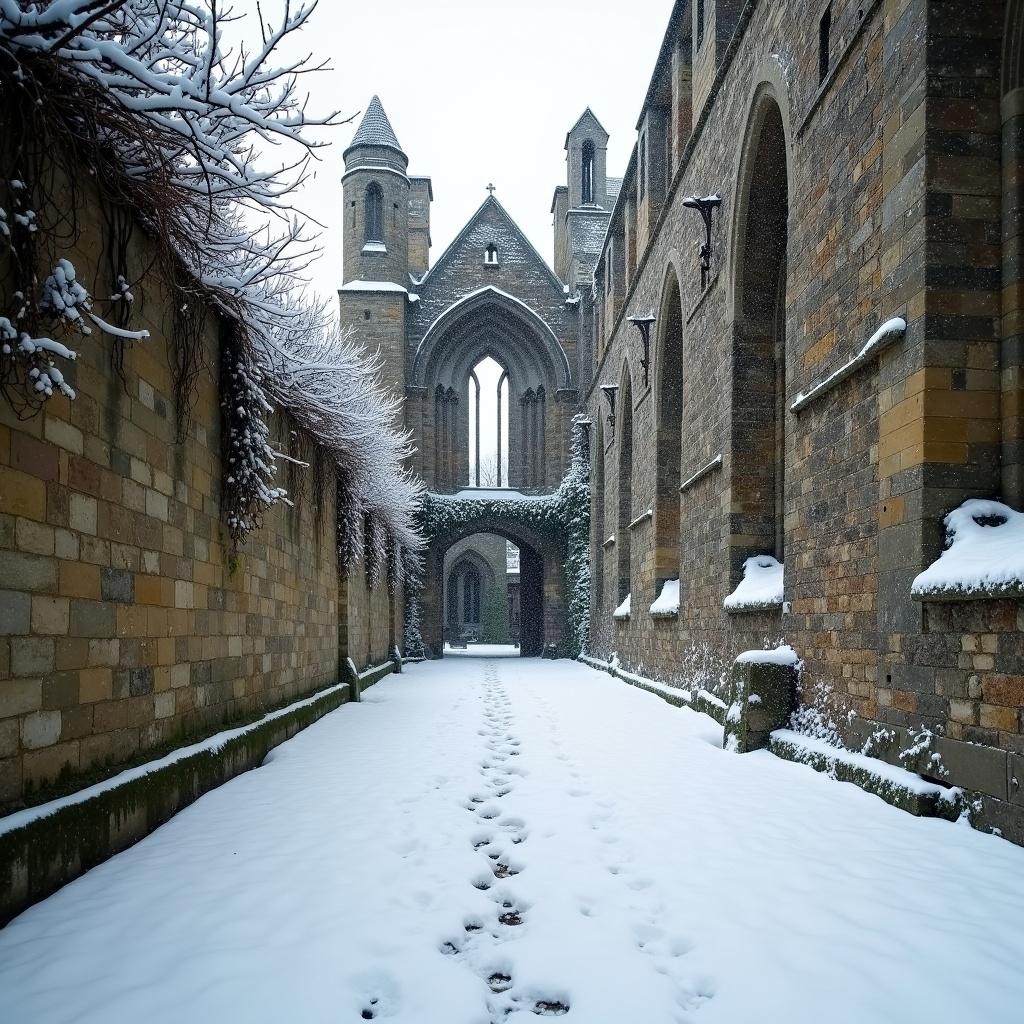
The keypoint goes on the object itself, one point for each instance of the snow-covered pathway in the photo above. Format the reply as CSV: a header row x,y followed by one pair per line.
x,y
483,840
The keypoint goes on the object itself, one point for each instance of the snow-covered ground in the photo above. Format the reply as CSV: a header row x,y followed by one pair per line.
x,y
482,835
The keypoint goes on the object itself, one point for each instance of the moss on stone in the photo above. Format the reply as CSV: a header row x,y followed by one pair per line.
x,y
40,857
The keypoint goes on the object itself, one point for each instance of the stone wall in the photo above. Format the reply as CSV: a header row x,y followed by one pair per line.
x,y
889,167
128,622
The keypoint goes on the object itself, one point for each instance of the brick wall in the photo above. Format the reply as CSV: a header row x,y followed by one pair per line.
x,y
128,622
892,171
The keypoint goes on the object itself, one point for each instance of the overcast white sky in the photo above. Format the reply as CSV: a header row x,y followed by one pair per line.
x,y
477,92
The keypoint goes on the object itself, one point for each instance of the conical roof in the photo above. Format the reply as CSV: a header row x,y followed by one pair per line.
x,y
375,129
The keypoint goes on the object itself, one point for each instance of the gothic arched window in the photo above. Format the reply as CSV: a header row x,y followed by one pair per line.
x,y
588,172
488,424
374,213
491,255
471,596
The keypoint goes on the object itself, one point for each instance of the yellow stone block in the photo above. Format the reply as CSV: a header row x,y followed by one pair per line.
x,y
22,495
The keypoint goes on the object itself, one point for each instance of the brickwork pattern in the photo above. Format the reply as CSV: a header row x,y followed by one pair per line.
x,y
893,173
127,621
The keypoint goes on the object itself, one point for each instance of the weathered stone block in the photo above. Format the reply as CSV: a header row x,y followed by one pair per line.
x,y
32,656
762,696
117,585
15,612
40,729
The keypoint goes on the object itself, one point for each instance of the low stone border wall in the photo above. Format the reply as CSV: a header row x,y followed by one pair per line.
x,y
896,786
43,848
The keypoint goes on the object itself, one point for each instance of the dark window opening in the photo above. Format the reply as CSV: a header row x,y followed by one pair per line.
x,y
824,32
491,255
641,177
700,23
588,172
374,213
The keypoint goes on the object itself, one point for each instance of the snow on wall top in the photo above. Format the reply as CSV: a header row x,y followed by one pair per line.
x,y
984,554
782,655
588,231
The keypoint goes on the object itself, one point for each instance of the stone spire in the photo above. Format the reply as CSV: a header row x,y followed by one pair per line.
x,y
375,129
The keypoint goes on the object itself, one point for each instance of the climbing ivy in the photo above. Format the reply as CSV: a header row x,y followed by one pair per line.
x,y
562,516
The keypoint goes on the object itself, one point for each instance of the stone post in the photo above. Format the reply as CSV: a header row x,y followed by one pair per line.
x,y
762,695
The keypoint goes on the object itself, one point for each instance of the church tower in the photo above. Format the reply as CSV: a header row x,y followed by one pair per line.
x,y
375,190
373,299
581,207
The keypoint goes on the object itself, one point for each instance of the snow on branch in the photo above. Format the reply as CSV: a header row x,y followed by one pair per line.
x,y
149,102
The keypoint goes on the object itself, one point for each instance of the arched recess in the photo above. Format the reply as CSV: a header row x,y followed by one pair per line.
x,y
497,308
1012,336
490,323
668,383
624,437
597,516
469,566
541,581
759,422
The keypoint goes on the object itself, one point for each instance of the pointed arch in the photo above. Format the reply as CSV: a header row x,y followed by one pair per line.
x,y
525,329
587,172
597,513
374,213
624,439
760,420
668,382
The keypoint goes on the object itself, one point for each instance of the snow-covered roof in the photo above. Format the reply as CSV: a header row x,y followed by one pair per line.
x,y
588,232
613,186
375,129
587,114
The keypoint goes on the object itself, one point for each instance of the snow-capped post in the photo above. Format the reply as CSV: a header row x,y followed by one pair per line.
x,y
762,696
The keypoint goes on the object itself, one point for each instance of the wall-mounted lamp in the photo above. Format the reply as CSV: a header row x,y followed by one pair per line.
x,y
643,325
610,391
704,207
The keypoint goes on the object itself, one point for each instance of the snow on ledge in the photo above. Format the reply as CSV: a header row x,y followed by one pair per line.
x,y
889,332
761,586
667,602
781,655
984,553
623,611
897,777
212,744
372,286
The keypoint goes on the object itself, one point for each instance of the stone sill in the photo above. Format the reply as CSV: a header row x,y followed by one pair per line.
x,y
754,608
665,615
1013,592
375,248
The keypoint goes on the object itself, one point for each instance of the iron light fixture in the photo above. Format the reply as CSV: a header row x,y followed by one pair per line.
x,y
643,325
610,391
704,207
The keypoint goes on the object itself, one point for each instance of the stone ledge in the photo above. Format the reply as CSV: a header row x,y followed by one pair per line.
x,y
54,847
753,609
1011,591
914,794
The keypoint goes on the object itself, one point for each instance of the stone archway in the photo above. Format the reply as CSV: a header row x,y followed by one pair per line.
x,y
488,324
533,525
